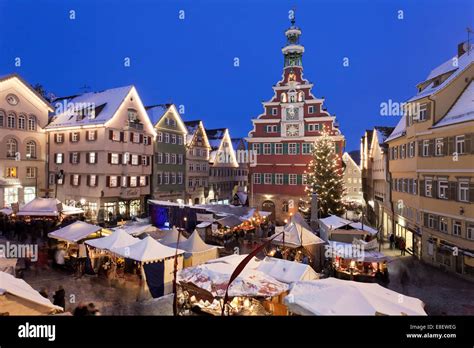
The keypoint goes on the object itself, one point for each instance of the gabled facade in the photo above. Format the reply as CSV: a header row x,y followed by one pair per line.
x,y
283,135
242,172
197,163
352,180
431,163
169,168
222,166
100,153
23,148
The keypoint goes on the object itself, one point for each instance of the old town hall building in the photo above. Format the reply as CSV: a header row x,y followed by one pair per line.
x,y
283,135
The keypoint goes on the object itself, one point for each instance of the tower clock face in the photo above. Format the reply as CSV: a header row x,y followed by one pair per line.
x,y
292,130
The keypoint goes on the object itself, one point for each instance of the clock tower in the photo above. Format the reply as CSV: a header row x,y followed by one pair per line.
x,y
283,135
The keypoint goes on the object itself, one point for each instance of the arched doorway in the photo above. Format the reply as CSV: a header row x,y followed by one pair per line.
x,y
269,206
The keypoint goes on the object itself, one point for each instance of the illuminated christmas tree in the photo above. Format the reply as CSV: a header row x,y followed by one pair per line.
x,y
324,177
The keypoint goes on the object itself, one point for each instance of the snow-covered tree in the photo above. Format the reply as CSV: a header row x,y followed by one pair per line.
x,y
325,178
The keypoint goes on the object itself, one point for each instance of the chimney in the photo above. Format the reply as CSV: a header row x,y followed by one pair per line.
x,y
462,48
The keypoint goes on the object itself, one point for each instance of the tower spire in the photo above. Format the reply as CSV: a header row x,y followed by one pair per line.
x,y
293,50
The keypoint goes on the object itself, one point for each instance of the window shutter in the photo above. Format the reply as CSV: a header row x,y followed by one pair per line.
x,y
434,189
131,136
78,136
109,158
70,157
428,111
55,158
422,188
141,138
471,192
425,219
436,222
96,180
79,181
149,140
55,138
70,179
285,148
111,134
139,160
128,181
420,148
285,179
88,180
78,157
146,180
107,181
468,143
451,147
431,147
122,137
87,159
70,137
95,135
120,158
452,193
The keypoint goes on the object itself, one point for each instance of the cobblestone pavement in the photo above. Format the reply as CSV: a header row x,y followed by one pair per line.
x,y
443,293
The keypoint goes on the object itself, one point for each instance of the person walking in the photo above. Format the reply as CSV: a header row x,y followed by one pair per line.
x,y
59,297
402,247
392,241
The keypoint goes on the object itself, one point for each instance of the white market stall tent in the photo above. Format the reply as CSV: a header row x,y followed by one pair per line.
x,y
17,297
171,237
157,263
118,239
136,228
287,271
48,207
196,251
337,228
333,296
76,232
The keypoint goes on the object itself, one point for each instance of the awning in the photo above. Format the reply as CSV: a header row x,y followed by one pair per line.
x,y
75,232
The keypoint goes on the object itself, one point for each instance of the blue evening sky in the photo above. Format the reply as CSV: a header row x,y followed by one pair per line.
x,y
191,62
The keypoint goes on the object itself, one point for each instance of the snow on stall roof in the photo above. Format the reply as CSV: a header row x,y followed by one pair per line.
x,y
171,238
75,232
399,130
147,250
106,103
287,271
194,244
332,296
462,110
19,288
463,62
118,239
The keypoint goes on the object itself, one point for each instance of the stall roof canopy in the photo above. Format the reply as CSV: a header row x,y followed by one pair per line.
x,y
171,237
136,228
41,207
286,271
230,221
353,252
147,250
75,232
18,287
333,296
334,222
296,234
194,244
68,210
118,239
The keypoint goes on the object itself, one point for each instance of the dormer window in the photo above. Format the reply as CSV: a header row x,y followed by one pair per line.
x,y
436,82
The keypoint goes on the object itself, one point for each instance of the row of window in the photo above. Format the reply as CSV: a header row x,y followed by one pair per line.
x,y
439,187
222,172
133,137
197,182
12,149
163,137
282,148
311,127
460,145
74,137
169,158
279,179
112,158
11,194
455,228
274,110
198,167
92,180
21,122
169,178
12,172
198,152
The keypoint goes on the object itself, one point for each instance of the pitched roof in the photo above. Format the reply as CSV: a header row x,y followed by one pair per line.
x,y
15,75
192,126
156,112
106,104
399,130
383,133
462,110
355,155
454,65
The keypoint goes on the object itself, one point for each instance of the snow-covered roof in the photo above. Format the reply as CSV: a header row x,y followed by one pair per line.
x,y
106,104
19,288
136,228
147,250
287,271
353,252
399,131
192,126
75,232
334,222
333,296
118,239
41,207
156,112
454,64
296,233
462,110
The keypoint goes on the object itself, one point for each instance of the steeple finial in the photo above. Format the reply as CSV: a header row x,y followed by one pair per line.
x,y
293,16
